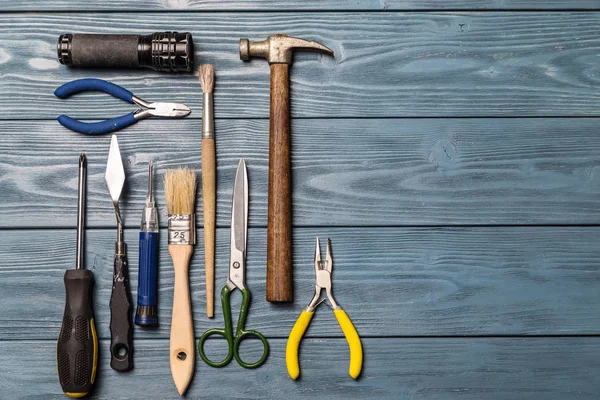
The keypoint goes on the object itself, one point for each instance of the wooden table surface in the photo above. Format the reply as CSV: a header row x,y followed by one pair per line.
x,y
451,150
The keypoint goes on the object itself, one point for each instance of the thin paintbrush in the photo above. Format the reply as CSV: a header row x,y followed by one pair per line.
x,y
206,73
180,191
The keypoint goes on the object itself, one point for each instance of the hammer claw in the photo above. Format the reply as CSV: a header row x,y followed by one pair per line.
x,y
302,44
278,49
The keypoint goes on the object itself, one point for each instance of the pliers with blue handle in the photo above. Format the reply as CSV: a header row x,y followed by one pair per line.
x,y
169,110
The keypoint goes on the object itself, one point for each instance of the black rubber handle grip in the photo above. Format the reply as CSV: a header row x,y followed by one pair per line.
x,y
121,326
105,51
77,348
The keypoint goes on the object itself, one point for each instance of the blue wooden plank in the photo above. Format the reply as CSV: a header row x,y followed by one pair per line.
x,y
387,64
370,175
310,5
447,369
392,282
345,172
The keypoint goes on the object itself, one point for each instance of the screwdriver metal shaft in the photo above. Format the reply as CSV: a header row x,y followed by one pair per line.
x,y
80,210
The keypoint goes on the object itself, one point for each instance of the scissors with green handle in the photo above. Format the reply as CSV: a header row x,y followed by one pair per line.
x,y
236,279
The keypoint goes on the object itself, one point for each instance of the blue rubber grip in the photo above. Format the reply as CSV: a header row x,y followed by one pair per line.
x,y
97,128
91,84
147,275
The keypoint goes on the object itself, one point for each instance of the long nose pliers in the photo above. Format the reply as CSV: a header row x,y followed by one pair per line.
x,y
323,283
146,109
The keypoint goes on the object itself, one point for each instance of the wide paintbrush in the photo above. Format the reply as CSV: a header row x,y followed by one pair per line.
x,y
180,191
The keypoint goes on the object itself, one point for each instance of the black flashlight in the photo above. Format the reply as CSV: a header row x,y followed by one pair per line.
x,y
160,51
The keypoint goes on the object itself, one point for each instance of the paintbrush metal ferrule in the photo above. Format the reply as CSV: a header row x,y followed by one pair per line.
x,y
208,121
182,229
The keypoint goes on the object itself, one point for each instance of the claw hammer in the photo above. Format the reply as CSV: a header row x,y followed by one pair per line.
x,y
278,49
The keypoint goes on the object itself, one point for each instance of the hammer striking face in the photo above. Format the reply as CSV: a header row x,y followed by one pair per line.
x,y
277,50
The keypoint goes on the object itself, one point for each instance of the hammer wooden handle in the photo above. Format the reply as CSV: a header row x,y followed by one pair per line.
x,y
279,224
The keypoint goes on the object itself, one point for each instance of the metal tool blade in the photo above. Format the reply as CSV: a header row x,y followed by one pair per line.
x,y
318,253
81,210
328,258
115,173
239,212
150,195
239,226
170,110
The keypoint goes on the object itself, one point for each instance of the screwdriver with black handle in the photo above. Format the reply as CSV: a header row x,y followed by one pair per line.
x,y
77,347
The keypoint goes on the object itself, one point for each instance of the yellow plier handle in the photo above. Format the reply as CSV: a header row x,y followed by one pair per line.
x,y
356,353
293,344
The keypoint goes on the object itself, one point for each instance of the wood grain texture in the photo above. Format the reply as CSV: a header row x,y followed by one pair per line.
x,y
311,5
391,281
279,203
445,311
182,350
345,172
209,214
386,64
437,368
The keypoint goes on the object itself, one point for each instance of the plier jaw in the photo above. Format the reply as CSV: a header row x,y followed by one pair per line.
x,y
159,109
323,278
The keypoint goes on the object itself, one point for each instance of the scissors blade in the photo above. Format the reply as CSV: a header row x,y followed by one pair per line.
x,y
239,212
239,225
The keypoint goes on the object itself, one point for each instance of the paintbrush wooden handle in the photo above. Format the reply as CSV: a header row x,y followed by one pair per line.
x,y
182,351
209,198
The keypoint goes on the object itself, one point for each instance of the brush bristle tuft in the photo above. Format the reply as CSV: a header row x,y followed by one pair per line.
x,y
206,73
180,190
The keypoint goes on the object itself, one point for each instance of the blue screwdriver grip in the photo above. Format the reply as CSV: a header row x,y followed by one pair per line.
x,y
91,84
146,312
97,128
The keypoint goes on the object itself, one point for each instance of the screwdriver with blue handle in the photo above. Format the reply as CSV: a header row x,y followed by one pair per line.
x,y
77,347
146,312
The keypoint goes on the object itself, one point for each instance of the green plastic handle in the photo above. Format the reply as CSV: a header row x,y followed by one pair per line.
x,y
227,333
240,333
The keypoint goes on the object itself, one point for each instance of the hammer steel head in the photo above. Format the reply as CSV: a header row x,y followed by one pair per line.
x,y
277,49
